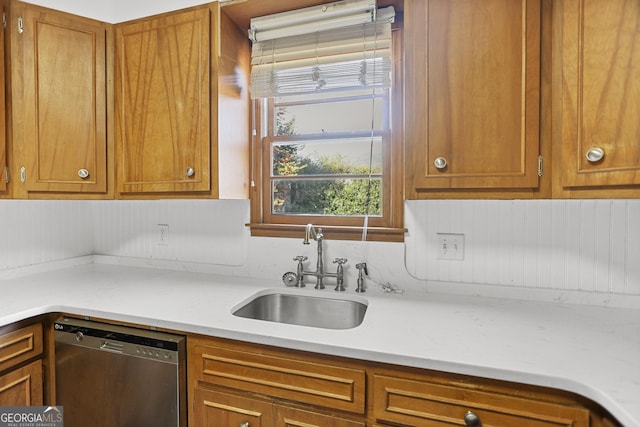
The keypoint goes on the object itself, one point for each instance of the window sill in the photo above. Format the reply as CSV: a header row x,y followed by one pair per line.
x,y
331,232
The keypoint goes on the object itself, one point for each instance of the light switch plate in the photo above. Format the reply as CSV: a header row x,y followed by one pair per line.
x,y
450,246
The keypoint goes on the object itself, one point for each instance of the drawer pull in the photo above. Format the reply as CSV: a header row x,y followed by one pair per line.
x,y
244,425
472,420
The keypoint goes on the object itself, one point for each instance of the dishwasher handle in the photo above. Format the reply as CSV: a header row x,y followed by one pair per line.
x,y
111,346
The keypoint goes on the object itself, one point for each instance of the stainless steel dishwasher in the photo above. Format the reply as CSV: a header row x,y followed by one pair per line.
x,y
115,376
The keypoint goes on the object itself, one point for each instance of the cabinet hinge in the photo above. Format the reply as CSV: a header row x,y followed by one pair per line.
x,y
23,174
4,19
6,174
540,170
20,27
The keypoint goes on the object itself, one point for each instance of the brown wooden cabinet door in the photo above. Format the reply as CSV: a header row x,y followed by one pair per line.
x,y
3,134
163,103
601,92
63,115
22,387
216,409
473,93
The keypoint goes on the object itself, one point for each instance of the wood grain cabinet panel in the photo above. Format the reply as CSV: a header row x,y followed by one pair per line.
x,y
601,93
473,94
290,417
4,143
59,101
21,345
23,386
163,101
421,403
306,380
217,409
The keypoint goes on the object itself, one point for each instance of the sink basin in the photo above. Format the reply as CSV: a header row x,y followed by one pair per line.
x,y
305,310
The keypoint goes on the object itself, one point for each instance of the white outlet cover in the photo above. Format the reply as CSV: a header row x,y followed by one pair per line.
x,y
450,246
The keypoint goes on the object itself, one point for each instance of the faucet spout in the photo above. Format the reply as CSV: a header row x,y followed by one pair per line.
x,y
311,233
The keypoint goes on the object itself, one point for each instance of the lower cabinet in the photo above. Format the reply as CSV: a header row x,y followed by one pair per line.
x,y
22,386
21,371
219,409
420,402
247,385
237,384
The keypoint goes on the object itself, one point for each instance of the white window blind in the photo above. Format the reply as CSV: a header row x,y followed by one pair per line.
x,y
322,60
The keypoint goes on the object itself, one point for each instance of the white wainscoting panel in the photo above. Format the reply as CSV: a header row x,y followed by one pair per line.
x,y
40,231
201,231
585,245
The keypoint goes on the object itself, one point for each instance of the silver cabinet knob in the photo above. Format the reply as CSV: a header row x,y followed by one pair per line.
x,y
244,425
595,154
190,172
440,163
471,419
83,173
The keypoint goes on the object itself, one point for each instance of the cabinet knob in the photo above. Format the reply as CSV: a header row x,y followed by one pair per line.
x,y
440,163
190,172
472,419
595,154
83,173
244,425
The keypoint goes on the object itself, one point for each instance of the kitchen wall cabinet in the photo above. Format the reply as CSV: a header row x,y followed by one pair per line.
x,y
167,92
21,384
600,93
4,141
233,383
163,103
472,84
58,103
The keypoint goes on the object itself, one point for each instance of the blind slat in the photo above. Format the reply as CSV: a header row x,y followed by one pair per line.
x,y
341,59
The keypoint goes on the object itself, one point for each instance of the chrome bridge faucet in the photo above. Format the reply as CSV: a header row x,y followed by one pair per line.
x,y
316,234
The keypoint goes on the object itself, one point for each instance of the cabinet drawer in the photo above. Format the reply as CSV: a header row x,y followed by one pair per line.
x,y
20,345
421,403
309,380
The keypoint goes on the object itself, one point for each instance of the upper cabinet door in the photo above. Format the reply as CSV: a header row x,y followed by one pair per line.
x,y
473,94
3,133
601,93
163,103
61,112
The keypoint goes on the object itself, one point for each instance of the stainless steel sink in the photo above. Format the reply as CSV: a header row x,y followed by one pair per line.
x,y
305,310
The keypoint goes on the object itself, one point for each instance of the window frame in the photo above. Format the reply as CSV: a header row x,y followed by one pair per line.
x,y
388,227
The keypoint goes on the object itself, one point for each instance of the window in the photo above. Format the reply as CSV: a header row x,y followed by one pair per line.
x,y
330,157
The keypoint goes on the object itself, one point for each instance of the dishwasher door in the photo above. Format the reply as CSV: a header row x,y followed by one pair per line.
x,y
112,376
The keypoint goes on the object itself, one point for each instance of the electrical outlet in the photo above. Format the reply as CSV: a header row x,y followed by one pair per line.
x,y
451,246
163,234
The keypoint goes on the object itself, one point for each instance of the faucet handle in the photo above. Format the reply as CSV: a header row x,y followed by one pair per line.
x,y
362,266
300,258
340,261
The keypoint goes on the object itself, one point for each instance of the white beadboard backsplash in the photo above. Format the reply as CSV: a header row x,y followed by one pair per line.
x,y
584,245
592,246
40,231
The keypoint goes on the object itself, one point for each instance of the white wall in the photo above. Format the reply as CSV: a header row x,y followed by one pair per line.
x,y
114,11
513,248
39,231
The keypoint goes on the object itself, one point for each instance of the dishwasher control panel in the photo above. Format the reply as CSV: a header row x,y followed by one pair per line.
x,y
124,340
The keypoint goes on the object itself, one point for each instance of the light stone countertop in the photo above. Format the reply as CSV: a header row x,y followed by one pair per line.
x,y
589,350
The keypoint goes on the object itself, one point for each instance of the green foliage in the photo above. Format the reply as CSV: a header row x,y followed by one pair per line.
x,y
319,196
